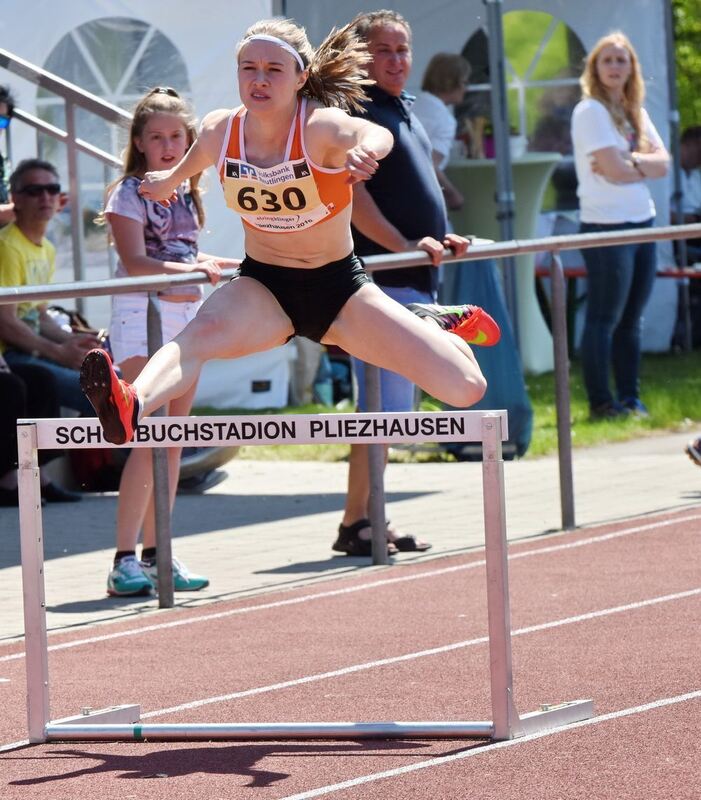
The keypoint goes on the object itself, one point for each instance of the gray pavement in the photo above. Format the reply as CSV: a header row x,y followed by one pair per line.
x,y
270,525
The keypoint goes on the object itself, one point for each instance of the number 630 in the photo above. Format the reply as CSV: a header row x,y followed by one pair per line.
x,y
292,199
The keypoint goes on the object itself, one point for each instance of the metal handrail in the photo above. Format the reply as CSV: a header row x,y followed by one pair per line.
x,y
553,244
73,96
62,136
387,261
69,91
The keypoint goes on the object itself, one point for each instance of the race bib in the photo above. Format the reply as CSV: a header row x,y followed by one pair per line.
x,y
277,199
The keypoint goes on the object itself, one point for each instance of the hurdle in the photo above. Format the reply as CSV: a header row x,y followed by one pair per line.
x,y
122,722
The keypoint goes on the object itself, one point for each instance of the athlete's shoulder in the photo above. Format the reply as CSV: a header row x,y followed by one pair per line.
x,y
319,114
216,119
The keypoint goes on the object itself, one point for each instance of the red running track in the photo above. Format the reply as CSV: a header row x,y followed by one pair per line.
x,y
609,613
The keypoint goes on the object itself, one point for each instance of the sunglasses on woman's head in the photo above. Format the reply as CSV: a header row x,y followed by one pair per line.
x,y
37,189
165,90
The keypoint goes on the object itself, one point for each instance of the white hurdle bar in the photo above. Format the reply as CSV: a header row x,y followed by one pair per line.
x,y
122,723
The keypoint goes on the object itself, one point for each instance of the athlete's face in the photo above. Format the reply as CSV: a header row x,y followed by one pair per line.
x,y
269,76
390,48
163,141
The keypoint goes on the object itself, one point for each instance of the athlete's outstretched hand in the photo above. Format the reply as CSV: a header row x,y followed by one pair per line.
x,y
361,163
158,186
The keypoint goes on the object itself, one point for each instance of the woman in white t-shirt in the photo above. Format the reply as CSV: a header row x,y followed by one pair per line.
x,y
616,149
444,84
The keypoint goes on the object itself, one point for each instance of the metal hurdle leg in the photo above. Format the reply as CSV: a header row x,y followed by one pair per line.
x,y
506,720
32,548
504,714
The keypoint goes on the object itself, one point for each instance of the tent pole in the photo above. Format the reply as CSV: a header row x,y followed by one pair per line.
x,y
504,198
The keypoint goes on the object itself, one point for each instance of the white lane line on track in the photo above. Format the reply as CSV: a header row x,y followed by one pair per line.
x,y
4,748
359,588
337,673
478,751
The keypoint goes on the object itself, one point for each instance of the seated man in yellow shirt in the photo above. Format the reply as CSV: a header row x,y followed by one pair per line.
x,y
28,334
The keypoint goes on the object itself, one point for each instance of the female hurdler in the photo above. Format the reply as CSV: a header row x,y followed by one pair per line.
x,y
287,159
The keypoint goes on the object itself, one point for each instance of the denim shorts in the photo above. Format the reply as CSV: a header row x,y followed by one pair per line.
x,y
128,323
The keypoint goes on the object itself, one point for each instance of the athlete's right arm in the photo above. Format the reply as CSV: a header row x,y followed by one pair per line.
x,y
161,185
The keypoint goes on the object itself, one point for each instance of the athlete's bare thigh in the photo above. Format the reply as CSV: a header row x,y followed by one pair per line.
x,y
379,330
239,318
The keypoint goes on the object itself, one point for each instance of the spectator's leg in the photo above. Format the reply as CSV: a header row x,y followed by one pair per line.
x,y
67,383
609,273
42,399
13,398
626,338
304,370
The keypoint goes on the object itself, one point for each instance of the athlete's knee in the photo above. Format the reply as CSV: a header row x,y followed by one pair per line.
x,y
469,390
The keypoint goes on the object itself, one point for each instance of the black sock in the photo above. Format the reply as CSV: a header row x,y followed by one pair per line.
x,y
148,554
120,554
135,413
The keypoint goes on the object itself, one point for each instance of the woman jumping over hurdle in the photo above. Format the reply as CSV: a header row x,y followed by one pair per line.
x,y
287,159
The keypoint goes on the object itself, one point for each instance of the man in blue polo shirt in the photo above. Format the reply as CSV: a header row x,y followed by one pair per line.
x,y
400,209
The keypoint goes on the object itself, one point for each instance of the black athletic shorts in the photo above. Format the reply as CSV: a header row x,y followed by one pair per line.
x,y
311,298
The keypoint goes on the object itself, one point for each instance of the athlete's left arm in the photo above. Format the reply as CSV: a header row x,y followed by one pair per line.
x,y
345,141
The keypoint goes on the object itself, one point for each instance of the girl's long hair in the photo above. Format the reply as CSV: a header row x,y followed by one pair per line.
x,y
160,100
633,92
337,71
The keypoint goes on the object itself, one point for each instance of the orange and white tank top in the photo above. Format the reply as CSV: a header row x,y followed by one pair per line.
x,y
291,196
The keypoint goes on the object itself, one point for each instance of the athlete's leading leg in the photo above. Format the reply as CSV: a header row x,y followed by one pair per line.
x,y
240,318
380,331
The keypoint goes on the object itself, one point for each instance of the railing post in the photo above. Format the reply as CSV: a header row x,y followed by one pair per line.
x,y
161,478
376,471
76,201
562,390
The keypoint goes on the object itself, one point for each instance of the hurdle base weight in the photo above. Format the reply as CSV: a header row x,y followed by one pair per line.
x,y
554,716
114,715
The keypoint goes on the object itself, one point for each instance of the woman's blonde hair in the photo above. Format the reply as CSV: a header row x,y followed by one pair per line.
x,y
445,73
633,92
160,100
337,71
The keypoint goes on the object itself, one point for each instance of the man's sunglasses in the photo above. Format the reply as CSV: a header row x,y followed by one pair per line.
x,y
37,189
4,121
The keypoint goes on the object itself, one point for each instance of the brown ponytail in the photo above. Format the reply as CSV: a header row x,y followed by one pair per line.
x,y
337,71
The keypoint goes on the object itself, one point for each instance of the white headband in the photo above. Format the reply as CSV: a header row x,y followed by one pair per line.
x,y
264,37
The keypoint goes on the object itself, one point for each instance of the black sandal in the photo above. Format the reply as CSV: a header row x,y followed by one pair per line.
x,y
409,544
350,543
